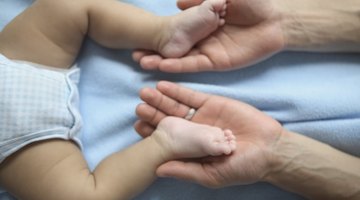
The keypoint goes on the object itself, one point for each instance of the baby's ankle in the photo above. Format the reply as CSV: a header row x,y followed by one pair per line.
x,y
161,141
162,34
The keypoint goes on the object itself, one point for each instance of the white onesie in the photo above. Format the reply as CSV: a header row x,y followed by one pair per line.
x,y
36,103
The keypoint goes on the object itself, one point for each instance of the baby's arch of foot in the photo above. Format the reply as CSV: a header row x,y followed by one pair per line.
x,y
190,26
189,139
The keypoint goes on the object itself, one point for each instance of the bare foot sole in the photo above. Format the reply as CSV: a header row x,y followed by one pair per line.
x,y
189,139
190,26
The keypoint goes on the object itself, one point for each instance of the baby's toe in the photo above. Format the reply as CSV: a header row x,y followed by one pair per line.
x,y
232,145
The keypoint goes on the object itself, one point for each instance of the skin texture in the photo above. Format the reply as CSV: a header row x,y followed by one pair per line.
x,y
89,17
280,24
266,152
255,132
55,169
252,33
257,29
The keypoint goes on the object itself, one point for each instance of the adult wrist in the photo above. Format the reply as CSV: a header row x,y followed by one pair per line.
x,y
320,25
313,169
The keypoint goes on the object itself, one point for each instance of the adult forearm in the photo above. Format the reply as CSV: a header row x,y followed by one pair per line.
x,y
314,169
320,25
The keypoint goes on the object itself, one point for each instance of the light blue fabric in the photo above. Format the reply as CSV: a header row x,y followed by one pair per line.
x,y
314,94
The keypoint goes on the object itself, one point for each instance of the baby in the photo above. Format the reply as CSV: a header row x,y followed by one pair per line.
x,y
39,118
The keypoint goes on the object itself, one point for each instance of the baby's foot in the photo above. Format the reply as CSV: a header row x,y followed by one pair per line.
x,y
190,26
185,139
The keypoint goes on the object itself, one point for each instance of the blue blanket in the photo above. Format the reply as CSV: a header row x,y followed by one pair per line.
x,y
315,94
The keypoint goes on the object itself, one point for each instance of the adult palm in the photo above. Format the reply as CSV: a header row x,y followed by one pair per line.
x,y
252,32
256,134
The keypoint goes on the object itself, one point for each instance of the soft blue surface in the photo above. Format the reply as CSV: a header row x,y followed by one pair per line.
x,y
314,94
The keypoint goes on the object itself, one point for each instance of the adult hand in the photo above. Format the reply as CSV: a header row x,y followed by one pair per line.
x,y
265,151
256,134
252,33
257,29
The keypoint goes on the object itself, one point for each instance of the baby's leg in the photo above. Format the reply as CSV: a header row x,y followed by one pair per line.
x,y
190,26
186,139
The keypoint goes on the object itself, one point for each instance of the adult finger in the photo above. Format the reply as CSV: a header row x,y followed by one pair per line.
x,y
189,171
161,104
149,114
140,53
184,4
186,96
143,128
188,63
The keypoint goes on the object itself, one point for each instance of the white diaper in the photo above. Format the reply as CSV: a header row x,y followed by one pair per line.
x,y
36,104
